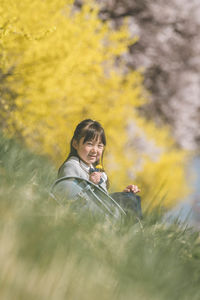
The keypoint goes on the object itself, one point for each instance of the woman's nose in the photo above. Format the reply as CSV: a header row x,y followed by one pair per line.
x,y
94,149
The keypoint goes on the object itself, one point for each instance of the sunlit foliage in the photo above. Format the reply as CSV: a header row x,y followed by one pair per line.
x,y
64,70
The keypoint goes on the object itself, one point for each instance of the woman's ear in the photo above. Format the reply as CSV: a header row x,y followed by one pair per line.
x,y
75,144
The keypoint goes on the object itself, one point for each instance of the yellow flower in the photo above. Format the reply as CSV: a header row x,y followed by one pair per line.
x,y
100,167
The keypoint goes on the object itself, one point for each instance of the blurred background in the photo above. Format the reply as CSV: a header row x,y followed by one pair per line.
x,y
134,66
138,61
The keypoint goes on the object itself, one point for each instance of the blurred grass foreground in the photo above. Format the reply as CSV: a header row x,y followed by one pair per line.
x,y
48,252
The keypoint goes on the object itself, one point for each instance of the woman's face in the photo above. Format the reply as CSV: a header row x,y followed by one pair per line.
x,y
90,152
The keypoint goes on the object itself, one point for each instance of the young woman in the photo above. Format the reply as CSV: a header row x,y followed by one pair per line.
x,y
86,155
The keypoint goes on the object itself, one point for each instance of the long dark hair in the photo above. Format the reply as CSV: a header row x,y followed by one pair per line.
x,y
90,130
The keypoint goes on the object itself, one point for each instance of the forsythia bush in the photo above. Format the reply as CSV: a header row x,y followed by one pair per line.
x,y
64,70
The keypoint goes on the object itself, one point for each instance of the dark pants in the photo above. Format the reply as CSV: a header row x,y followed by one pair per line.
x,y
130,202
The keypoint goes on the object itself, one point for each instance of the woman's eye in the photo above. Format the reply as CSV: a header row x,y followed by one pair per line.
x,y
90,144
100,146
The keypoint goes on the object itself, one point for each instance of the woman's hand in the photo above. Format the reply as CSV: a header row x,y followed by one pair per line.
x,y
132,188
95,177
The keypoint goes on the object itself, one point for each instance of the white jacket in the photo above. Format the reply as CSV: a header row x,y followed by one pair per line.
x,y
76,167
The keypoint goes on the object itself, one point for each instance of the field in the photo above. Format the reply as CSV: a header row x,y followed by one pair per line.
x,y
50,252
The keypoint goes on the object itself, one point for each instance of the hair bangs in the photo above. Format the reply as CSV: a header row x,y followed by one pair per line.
x,y
92,133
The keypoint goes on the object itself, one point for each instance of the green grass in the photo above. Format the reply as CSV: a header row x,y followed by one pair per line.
x,y
50,252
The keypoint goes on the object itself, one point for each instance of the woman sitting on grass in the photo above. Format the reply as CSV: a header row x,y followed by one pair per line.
x,y
86,152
